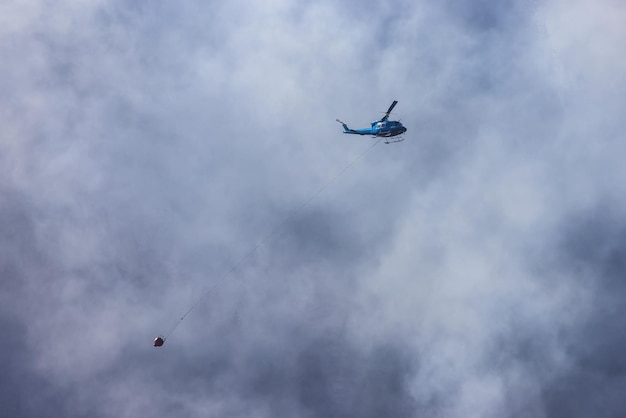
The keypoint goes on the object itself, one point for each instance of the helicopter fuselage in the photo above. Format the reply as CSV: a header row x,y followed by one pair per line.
x,y
387,128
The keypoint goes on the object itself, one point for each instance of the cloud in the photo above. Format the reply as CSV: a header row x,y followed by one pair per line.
x,y
157,156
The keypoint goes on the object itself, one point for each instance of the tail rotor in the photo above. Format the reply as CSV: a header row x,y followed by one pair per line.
x,y
345,127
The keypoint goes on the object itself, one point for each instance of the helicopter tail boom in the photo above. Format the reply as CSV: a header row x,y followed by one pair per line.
x,y
347,130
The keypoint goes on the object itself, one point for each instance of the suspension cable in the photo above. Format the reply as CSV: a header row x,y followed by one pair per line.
x,y
274,232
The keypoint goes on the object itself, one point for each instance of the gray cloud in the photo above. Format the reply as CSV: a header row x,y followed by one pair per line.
x,y
474,269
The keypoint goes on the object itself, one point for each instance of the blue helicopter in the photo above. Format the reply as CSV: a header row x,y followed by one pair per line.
x,y
381,128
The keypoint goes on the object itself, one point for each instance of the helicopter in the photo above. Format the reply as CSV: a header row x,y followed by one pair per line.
x,y
380,128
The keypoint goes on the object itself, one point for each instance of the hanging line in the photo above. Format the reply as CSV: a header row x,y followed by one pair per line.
x,y
269,236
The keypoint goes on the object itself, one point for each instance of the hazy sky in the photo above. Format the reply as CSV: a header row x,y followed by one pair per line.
x,y
477,269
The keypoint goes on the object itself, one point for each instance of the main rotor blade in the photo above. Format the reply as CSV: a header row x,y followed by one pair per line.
x,y
395,102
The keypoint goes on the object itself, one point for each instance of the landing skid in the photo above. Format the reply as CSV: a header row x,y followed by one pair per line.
x,y
396,139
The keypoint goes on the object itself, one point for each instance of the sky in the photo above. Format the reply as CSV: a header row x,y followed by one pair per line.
x,y
160,157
